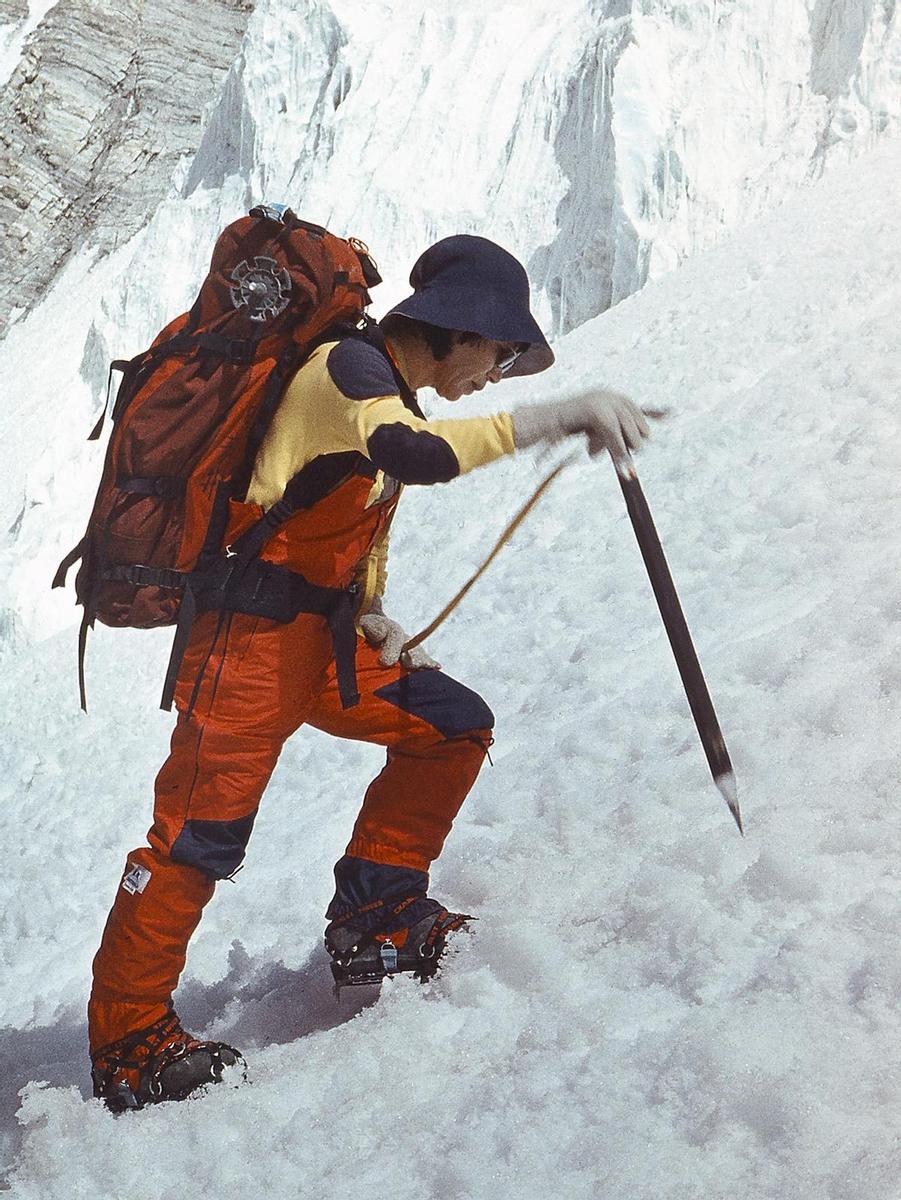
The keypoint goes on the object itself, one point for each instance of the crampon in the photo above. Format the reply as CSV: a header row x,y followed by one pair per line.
x,y
407,936
159,1063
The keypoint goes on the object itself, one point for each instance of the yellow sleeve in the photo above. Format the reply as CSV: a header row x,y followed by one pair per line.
x,y
316,417
414,450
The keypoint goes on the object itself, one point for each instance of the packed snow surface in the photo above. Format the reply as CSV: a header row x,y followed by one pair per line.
x,y
649,1006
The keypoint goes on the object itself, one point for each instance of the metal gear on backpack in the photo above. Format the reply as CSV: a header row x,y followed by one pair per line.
x,y
264,288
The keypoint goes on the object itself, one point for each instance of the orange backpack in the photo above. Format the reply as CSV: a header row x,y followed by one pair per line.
x,y
189,417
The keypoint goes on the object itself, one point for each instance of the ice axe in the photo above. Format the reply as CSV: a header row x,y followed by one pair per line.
x,y
677,631
670,609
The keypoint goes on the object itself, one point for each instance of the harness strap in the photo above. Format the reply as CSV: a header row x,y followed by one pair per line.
x,y
258,588
267,590
165,486
215,582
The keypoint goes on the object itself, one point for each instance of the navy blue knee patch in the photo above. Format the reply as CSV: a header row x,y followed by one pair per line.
x,y
216,847
447,705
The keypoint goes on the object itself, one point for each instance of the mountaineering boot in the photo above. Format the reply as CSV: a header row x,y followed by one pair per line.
x,y
383,939
158,1063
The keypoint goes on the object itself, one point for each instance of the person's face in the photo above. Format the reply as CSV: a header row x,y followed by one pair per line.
x,y
470,365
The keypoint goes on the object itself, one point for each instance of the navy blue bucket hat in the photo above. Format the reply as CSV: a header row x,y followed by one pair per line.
x,y
473,285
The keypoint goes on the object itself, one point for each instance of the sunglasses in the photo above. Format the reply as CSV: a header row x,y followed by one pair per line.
x,y
507,356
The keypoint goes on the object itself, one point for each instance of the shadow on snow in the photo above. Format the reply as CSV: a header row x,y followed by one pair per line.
x,y
253,1006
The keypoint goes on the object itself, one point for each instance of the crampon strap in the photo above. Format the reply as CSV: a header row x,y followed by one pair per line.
x,y
121,1055
444,921
163,1043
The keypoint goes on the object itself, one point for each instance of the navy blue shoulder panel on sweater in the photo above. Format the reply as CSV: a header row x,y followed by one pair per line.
x,y
361,371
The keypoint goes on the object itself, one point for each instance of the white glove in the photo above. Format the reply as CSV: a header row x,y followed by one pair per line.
x,y
382,631
610,422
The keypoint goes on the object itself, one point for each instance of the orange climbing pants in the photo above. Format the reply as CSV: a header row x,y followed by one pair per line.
x,y
258,684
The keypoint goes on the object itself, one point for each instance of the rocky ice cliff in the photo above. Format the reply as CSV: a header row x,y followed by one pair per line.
x,y
103,103
605,140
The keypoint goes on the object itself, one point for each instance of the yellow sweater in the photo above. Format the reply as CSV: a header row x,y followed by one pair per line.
x,y
345,398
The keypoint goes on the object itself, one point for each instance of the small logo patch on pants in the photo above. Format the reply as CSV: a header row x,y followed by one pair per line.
x,y
136,878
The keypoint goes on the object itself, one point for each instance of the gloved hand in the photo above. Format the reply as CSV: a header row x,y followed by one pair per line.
x,y
382,631
610,422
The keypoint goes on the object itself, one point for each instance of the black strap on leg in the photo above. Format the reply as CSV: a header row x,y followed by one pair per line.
x,y
186,613
343,629
224,617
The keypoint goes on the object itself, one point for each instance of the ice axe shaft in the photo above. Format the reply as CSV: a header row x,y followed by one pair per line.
x,y
677,631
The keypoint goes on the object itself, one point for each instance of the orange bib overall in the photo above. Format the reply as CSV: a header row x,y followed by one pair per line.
x,y
260,681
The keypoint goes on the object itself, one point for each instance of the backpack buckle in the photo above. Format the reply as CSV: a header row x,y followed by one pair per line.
x,y
242,350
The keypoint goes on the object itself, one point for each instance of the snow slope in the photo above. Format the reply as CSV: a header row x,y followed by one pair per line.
x,y
650,1006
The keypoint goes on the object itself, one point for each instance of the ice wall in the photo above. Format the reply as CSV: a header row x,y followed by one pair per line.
x,y
605,140
723,107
